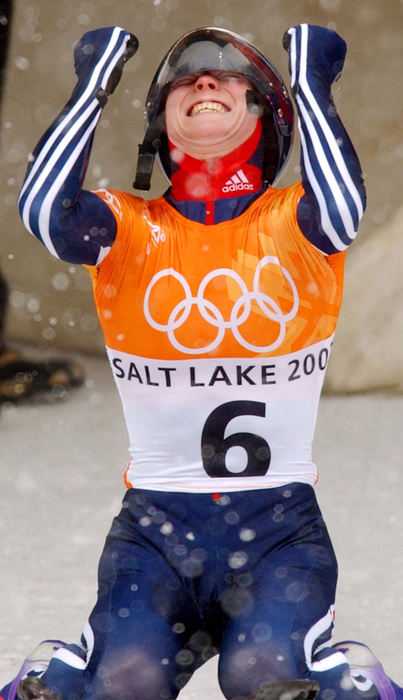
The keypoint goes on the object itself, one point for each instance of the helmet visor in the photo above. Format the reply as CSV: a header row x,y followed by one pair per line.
x,y
212,49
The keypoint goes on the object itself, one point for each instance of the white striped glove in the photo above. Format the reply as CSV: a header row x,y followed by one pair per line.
x,y
104,52
314,52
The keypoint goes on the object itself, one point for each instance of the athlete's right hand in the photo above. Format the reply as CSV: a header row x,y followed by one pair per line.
x,y
102,54
314,52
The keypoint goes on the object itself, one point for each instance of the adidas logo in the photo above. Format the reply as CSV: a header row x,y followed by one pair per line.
x,y
237,182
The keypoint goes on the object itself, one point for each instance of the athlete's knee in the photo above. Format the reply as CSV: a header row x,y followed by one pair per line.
x,y
245,670
133,675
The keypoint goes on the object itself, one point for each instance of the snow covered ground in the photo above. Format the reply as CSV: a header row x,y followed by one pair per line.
x,y
60,485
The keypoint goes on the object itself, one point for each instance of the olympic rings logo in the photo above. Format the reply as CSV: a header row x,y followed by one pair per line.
x,y
212,315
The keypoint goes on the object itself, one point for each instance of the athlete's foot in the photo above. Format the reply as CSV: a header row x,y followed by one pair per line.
x,y
366,669
287,690
33,667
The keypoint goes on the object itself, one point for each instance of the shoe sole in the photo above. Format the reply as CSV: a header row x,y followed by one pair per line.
x,y
287,690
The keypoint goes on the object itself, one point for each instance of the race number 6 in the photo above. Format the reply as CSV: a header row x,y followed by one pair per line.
x,y
215,446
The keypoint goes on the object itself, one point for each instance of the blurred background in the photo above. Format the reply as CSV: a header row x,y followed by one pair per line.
x,y
52,536
51,302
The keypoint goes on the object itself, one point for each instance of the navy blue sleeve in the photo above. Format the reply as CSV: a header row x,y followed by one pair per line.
x,y
75,225
334,200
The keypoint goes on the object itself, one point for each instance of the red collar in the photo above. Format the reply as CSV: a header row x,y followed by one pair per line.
x,y
229,176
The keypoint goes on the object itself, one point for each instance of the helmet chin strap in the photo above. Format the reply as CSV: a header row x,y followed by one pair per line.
x,y
147,151
153,140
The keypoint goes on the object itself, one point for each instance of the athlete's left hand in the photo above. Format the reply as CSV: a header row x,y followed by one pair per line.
x,y
314,52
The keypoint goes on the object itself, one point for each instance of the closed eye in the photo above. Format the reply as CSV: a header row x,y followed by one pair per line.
x,y
219,75
186,80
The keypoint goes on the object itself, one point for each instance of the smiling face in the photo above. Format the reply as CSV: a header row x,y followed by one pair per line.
x,y
207,114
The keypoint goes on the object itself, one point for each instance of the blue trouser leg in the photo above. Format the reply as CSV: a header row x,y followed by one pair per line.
x,y
284,614
141,622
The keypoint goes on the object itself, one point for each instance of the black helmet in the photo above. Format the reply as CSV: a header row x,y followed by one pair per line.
x,y
208,49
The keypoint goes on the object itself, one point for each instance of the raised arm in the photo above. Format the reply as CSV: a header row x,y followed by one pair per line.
x,y
74,224
334,199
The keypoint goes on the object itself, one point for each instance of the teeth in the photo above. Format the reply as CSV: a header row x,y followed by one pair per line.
x,y
207,107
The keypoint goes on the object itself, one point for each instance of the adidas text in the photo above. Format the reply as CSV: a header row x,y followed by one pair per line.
x,y
240,186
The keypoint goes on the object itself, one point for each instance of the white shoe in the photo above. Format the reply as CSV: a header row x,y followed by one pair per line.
x,y
364,664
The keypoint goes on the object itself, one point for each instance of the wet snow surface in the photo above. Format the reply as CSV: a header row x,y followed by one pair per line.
x,y
60,481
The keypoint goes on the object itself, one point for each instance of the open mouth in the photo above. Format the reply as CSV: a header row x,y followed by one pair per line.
x,y
205,107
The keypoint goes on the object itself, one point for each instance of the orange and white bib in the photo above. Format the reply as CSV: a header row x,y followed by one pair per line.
x,y
218,338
